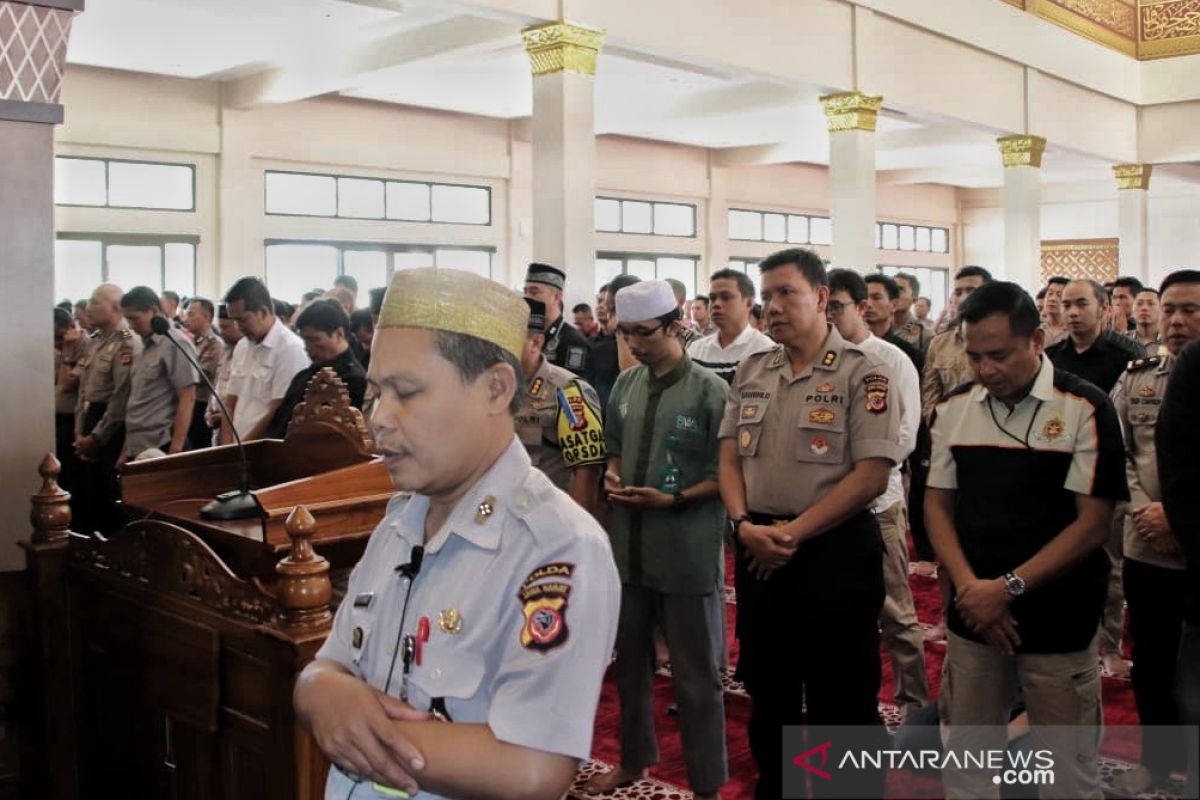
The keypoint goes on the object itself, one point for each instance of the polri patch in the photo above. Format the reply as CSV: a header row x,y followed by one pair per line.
x,y
877,393
544,606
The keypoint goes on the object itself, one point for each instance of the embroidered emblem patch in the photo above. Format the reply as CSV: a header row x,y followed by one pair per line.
x,y
1053,429
126,358
744,438
821,416
819,445
543,597
826,388
1146,391
877,393
450,621
749,411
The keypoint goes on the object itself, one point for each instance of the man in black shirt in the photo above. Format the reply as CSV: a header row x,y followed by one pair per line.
x,y
1089,351
324,327
882,293
565,347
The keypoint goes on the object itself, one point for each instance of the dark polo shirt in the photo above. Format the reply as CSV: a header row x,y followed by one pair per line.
x,y
1102,364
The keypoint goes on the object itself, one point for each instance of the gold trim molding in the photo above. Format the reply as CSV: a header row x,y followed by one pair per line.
x,y
562,47
1021,150
851,111
1098,20
1168,28
1133,176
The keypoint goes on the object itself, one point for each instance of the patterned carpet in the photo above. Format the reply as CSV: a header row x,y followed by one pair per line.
x,y
668,779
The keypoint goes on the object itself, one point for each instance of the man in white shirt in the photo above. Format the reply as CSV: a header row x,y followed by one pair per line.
x,y
730,298
898,618
264,361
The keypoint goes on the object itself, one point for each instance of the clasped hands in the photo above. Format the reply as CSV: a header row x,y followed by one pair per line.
x,y
1150,522
635,496
983,606
770,547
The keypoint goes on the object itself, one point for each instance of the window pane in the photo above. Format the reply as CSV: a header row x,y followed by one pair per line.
x,y
774,227
877,235
412,259
608,216
637,217
819,231
937,241
78,269
923,239
797,229
906,237
737,264
408,201
309,195
360,198
745,225
181,268
293,269
890,238
606,270
149,186
79,182
477,261
368,267
642,267
135,265
465,204
673,219
937,293
681,269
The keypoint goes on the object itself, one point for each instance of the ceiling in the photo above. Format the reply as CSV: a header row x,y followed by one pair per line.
x,y
446,56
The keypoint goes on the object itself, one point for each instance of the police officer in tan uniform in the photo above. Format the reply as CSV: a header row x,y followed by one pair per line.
x,y
560,420
100,414
809,437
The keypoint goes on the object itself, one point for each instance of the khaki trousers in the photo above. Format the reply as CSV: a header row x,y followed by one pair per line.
x,y
898,617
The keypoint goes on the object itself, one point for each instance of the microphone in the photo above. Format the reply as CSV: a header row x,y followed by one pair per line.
x,y
236,504
413,567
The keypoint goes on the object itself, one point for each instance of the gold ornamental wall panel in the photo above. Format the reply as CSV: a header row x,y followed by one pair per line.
x,y
1097,259
1112,23
1168,28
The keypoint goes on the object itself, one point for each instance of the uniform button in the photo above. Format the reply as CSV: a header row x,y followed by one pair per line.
x,y
522,500
435,674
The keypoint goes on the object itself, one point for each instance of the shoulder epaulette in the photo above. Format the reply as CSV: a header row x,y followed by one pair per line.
x,y
125,333
1142,363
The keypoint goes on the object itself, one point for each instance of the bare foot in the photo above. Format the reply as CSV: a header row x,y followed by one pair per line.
x,y
926,569
1116,666
607,781
935,634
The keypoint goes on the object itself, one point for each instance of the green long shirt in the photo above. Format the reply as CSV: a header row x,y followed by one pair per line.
x,y
671,551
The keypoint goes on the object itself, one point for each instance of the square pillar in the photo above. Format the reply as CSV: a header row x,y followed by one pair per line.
x,y
1133,216
851,117
1022,156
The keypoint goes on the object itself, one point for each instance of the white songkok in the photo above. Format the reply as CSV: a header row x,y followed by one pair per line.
x,y
645,300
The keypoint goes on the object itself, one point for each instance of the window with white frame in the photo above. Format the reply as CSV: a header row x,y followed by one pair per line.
x,y
296,267
83,261
769,226
648,268
934,284
118,183
348,197
750,267
913,238
614,215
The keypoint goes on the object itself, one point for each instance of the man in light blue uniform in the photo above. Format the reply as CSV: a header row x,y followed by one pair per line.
x,y
467,656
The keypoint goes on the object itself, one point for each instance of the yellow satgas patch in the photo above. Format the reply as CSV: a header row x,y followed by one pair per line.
x,y
580,433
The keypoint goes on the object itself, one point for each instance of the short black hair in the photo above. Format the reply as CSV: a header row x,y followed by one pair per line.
x,y
581,308
1058,280
1179,276
376,303
756,311
204,303
360,320
349,281
251,293
1098,289
744,284
701,298
308,297
1002,297
169,295
141,298
1128,282
1150,289
913,283
1041,294
973,271
471,355
282,308
325,315
602,289
809,263
65,305
62,317
893,288
850,282
622,281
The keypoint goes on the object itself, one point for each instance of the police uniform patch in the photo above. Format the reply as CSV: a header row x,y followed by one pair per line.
x,y
819,445
575,357
1053,429
744,438
543,595
535,388
826,388
821,416
829,357
1146,391
749,411
580,432
877,393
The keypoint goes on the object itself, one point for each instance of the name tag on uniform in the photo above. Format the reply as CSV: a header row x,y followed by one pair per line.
x,y
363,599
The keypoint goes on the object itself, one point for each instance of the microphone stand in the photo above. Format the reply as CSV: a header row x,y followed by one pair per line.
x,y
238,503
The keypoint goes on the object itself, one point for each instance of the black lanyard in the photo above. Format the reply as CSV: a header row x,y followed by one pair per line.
x,y
1006,432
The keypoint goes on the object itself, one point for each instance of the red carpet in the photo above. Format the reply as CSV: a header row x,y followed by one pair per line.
x,y
669,778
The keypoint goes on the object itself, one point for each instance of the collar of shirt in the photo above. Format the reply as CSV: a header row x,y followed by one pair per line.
x,y
553,328
738,341
1042,389
827,357
278,330
673,376
499,483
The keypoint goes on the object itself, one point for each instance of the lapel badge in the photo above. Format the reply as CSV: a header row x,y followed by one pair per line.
x,y
826,388
450,621
485,509
828,359
363,599
1053,429
535,388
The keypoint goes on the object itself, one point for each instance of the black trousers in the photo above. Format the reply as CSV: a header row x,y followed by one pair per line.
x,y
64,449
809,642
1155,596
918,464
94,506
199,435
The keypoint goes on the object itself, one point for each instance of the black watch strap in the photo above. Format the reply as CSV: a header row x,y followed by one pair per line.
x,y
736,523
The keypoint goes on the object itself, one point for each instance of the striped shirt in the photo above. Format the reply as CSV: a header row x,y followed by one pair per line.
x,y
707,351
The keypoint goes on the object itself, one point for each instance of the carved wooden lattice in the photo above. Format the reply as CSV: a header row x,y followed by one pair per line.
x,y
326,400
1097,259
169,560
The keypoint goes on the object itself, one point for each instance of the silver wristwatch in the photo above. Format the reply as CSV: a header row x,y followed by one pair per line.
x,y
1014,584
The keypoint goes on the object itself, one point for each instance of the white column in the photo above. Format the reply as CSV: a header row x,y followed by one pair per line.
x,y
1022,157
1133,216
563,60
34,42
851,117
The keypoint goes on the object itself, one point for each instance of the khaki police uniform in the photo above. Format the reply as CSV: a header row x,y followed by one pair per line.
x,y
946,368
560,424
210,352
798,436
916,334
157,374
512,615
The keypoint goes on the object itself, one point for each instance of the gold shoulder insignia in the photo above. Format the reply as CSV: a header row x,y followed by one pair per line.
x,y
1142,363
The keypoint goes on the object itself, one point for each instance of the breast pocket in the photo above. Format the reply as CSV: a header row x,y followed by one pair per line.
x,y
750,417
449,680
362,627
821,434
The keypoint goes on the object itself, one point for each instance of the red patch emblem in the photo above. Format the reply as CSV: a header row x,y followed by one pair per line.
x,y
877,393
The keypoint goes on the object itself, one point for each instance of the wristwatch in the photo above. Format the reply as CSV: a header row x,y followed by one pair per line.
x,y
1014,584
736,523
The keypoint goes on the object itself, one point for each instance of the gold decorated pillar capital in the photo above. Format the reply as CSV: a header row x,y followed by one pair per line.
x,y
1022,150
851,111
1133,176
562,47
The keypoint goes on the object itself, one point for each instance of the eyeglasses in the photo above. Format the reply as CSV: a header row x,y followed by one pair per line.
x,y
835,306
640,333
